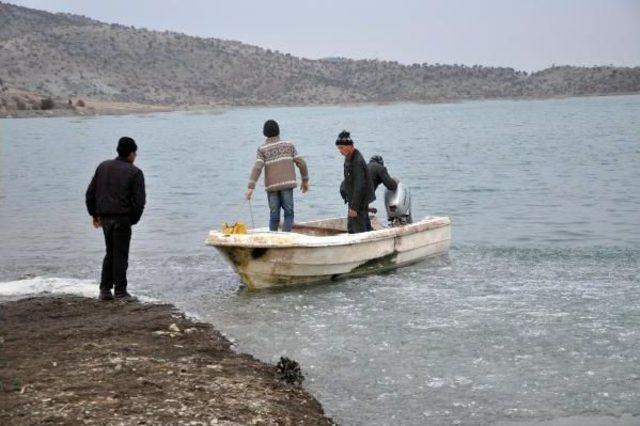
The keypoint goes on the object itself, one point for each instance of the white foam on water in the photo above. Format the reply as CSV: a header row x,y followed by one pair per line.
x,y
52,285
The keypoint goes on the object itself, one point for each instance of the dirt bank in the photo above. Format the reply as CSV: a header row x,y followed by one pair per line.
x,y
73,360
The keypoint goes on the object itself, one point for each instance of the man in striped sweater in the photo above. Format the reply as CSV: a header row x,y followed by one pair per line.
x,y
277,157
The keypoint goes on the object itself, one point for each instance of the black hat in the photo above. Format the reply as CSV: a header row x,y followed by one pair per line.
x,y
271,128
377,159
344,138
126,146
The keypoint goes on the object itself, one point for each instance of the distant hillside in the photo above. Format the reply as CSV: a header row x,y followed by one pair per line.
x,y
69,57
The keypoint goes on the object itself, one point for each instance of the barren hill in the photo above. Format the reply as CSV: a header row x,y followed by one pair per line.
x,y
65,56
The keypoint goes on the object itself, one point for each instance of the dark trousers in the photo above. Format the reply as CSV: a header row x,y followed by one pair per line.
x,y
360,223
117,235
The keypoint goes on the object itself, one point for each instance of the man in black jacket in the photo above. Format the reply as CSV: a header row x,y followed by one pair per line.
x,y
115,199
379,174
358,186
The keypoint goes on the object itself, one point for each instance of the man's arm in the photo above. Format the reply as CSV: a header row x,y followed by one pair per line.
x,y
304,171
138,197
255,173
388,181
90,196
343,191
359,185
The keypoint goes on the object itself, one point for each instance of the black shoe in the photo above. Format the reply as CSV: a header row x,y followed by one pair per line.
x,y
125,297
105,295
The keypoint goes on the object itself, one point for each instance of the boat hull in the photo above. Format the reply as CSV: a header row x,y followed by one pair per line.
x,y
274,260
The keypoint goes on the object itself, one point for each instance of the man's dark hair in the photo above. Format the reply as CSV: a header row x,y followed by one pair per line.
x,y
126,146
271,129
377,159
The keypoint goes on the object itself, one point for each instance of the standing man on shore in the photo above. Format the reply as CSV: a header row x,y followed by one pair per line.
x,y
115,199
278,157
358,186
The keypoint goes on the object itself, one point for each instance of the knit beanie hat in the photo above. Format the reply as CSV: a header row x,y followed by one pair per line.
x,y
377,159
344,138
126,146
270,128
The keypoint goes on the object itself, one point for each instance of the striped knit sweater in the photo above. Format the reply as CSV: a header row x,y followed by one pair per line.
x,y
277,157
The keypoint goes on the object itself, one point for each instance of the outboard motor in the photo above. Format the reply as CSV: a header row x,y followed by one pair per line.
x,y
398,205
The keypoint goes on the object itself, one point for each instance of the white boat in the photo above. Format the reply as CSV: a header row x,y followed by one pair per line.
x,y
322,250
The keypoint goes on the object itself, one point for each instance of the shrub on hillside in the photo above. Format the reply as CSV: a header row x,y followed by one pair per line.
x,y
80,103
20,104
47,103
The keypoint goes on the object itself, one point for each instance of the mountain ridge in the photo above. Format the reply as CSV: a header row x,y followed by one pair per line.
x,y
63,56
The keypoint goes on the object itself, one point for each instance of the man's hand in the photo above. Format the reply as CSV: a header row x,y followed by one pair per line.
x,y
304,187
353,213
97,222
248,194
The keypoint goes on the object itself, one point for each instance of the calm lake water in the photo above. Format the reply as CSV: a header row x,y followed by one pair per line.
x,y
533,315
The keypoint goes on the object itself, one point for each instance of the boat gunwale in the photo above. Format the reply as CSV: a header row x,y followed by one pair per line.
x,y
268,239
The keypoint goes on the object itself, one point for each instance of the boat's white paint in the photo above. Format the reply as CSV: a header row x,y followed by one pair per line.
x,y
267,259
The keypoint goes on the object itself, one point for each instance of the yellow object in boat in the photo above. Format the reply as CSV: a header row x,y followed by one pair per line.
x,y
236,228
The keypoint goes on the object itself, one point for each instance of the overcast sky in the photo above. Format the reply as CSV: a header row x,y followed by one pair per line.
x,y
523,34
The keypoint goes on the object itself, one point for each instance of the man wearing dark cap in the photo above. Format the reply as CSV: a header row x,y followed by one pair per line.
x,y
358,186
115,199
379,175
278,158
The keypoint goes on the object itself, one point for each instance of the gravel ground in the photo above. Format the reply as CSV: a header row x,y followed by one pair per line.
x,y
73,360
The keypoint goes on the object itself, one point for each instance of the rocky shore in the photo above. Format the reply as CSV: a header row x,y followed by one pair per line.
x,y
73,360
102,108
22,104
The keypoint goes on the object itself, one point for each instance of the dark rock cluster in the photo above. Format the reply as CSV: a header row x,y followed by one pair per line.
x,y
289,371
